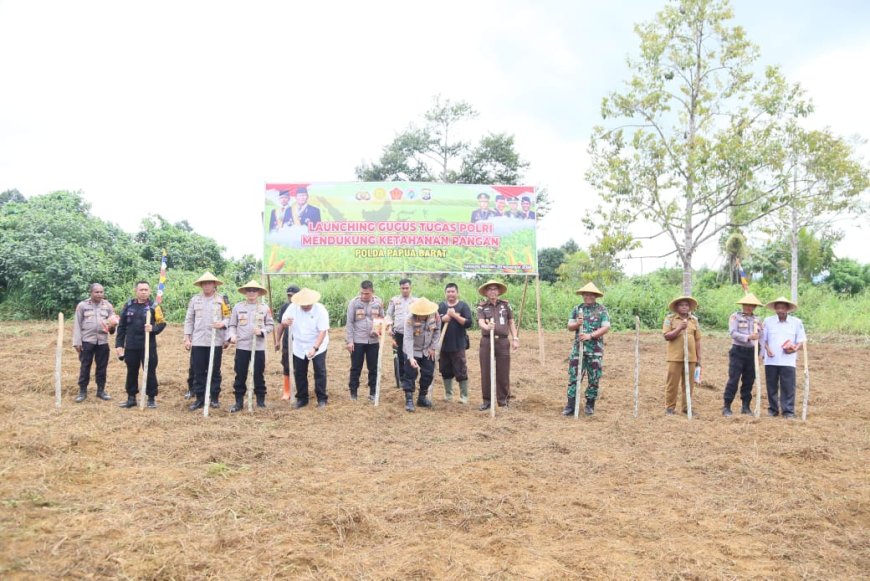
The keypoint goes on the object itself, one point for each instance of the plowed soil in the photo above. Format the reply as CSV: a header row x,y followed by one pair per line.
x,y
357,491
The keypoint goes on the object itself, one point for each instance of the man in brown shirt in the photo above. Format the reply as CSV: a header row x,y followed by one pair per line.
x,y
678,324
496,315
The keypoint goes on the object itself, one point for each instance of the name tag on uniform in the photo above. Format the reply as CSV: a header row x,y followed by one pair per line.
x,y
243,319
360,314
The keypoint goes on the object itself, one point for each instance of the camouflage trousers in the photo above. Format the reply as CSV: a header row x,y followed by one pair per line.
x,y
591,365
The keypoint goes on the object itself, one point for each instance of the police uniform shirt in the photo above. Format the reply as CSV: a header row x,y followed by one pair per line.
x,y
501,313
244,319
397,311
360,317
90,322
741,326
202,311
421,336
675,347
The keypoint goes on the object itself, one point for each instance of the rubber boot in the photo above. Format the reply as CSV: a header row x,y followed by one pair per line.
x,y
83,395
448,389
261,400
286,394
590,407
101,394
569,407
463,391
409,401
746,410
130,403
422,400
239,405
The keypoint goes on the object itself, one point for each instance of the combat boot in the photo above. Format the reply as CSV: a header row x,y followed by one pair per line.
x,y
198,404
151,403
589,409
130,403
463,391
101,394
726,411
746,410
261,400
409,401
239,405
353,395
423,401
83,395
448,389
569,407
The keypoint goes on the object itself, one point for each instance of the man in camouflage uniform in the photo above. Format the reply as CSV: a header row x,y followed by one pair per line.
x,y
95,320
206,313
497,316
420,343
745,328
361,337
590,322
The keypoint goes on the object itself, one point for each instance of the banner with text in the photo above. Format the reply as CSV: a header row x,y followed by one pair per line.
x,y
402,227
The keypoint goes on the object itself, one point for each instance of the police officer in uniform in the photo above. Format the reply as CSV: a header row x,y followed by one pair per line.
x,y
282,342
95,320
420,343
361,337
250,322
496,314
745,329
397,313
130,343
206,312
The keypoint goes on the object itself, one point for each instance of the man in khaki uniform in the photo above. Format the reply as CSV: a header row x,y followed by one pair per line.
x,y
250,322
95,320
206,312
361,337
420,343
497,315
678,324
397,314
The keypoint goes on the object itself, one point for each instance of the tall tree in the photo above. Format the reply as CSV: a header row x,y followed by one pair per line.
x,y
187,249
822,181
699,134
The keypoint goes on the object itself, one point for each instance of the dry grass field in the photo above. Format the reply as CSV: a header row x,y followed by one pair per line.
x,y
354,491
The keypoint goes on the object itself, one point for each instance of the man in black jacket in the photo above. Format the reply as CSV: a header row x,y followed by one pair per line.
x,y
130,343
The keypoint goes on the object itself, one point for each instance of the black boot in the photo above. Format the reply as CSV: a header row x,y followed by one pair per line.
x,y
590,407
353,394
214,402
239,405
423,401
83,395
726,410
746,410
409,401
198,404
101,394
151,403
261,400
130,403
569,407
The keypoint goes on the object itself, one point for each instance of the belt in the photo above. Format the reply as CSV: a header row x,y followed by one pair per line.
x,y
742,347
496,336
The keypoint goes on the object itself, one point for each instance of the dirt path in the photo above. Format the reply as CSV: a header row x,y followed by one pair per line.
x,y
354,491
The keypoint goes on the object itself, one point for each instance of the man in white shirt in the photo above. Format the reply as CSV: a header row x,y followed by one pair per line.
x,y
307,322
782,337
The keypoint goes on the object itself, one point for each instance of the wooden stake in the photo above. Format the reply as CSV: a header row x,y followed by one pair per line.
x,y
209,374
540,328
57,361
382,342
636,363
251,367
146,360
492,392
757,374
806,381
582,372
686,378
522,306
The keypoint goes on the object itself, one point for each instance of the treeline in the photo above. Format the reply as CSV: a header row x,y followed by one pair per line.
x,y
52,247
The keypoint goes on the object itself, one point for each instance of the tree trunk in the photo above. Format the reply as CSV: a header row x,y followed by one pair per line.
x,y
687,274
794,255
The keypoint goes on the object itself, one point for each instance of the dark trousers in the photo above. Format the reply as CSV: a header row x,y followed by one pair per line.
x,y
741,363
454,364
91,352
780,388
502,369
369,353
199,364
427,372
300,376
400,352
190,373
241,365
135,360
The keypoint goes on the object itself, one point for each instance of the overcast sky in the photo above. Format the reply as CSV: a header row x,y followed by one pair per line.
x,y
186,108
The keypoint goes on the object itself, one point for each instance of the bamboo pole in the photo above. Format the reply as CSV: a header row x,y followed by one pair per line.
x,y
145,361
583,371
636,363
492,392
687,380
540,328
757,374
806,381
441,338
253,361
57,361
381,323
522,306
209,374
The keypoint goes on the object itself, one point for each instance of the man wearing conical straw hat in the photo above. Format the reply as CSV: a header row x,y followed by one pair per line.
x,y
496,315
420,343
782,337
307,320
745,328
250,322
590,322
678,323
206,311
